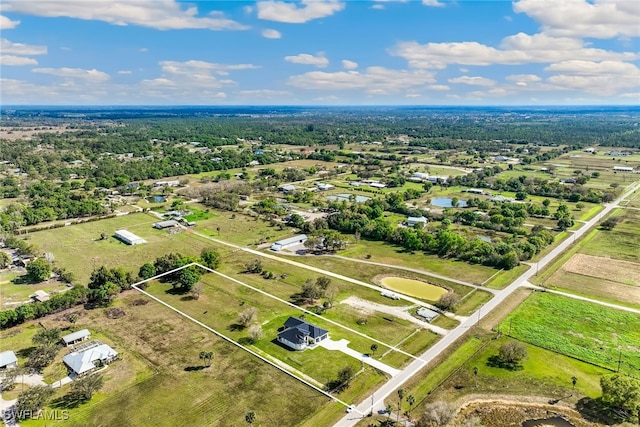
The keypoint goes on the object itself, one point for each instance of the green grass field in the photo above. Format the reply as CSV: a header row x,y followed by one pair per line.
x,y
160,381
583,330
12,291
619,243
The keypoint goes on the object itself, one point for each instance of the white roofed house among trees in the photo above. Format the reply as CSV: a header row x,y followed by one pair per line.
x,y
419,221
94,356
8,360
291,241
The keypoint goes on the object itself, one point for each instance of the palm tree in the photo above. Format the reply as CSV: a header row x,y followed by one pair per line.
x,y
411,401
389,410
400,397
574,381
250,417
203,355
209,356
374,347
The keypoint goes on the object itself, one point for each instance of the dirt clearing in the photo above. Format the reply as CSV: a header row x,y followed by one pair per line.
x,y
604,268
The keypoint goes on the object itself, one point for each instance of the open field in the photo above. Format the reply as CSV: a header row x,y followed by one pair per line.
x,y
593,287
604,268
78,248
180,392
589,332
623,242
388,254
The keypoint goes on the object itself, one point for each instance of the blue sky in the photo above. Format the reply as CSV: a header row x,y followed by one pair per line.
x,y
325,52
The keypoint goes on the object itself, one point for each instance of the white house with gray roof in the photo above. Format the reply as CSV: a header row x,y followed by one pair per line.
x,y
8,360
76,337
93,357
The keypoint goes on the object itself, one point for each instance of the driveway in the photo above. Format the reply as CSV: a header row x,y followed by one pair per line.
x,y
343,346
401,312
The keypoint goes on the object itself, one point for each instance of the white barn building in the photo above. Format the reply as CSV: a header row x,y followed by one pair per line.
x,y
287,243
128,237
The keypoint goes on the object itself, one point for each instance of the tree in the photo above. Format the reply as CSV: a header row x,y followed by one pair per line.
x,y
565,222
147,271
437,414
574,381
400,397
546,203
38,270
255,332
254,266
5,260
8,380
210,258
48,337
511,353
345,375
389,410
188,278
250,417
83,388
196,291
248,316
448,301
323,282
609,223
455,202
374,348
206,356
621,392
579,206
41,357
32,400
411,401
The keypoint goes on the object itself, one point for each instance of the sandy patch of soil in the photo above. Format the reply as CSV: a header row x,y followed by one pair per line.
x,y
604,268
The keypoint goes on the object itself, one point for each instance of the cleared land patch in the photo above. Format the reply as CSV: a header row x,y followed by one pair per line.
x,y
585,331
604,268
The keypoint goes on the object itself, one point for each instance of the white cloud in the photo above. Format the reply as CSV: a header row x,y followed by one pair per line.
x,y
75,73
144,49
580,18
263,93
16,60
377,6
307,59
604,78
523,80
176,67
125,72
433,3
7,47
514,50
158,14
7,24
297,13
271,34
412,95
439,87
349,65
474,81
375,80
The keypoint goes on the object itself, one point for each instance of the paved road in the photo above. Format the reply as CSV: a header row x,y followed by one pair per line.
x,y
396,382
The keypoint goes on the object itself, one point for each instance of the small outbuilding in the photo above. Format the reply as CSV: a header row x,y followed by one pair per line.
x,y
324,186
427,314
8,360
128,237
622,169
287,188
41,296
76,337
165,224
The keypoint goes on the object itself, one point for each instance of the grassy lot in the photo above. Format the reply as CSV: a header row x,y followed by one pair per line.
x,y
619,243
154,339
78,248
505,277
472,301
579,329
388,254
241,229
13,291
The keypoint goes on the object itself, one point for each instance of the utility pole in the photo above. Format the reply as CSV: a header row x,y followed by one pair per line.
x,y
619,360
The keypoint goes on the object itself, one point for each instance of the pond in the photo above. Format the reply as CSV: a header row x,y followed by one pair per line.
x,y
548,422
414,288
445,202
157,199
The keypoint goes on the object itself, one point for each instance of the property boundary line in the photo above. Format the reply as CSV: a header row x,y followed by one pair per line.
x,y
218,334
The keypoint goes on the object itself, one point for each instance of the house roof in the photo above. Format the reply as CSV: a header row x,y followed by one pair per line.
x,y
417,219
7,358
290,240
41,295
166,224
124,234
83,333
81,362
288,187
298,329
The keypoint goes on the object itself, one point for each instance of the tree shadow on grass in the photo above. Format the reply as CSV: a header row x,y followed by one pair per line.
x,y
67,402
194,368
495,362
176,291
234,327
187,298
597,411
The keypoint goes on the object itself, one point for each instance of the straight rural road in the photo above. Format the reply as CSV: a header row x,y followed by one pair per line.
x,y
371,404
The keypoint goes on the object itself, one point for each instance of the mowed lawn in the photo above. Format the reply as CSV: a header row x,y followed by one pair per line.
x,y
181,391
78,248
580,329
